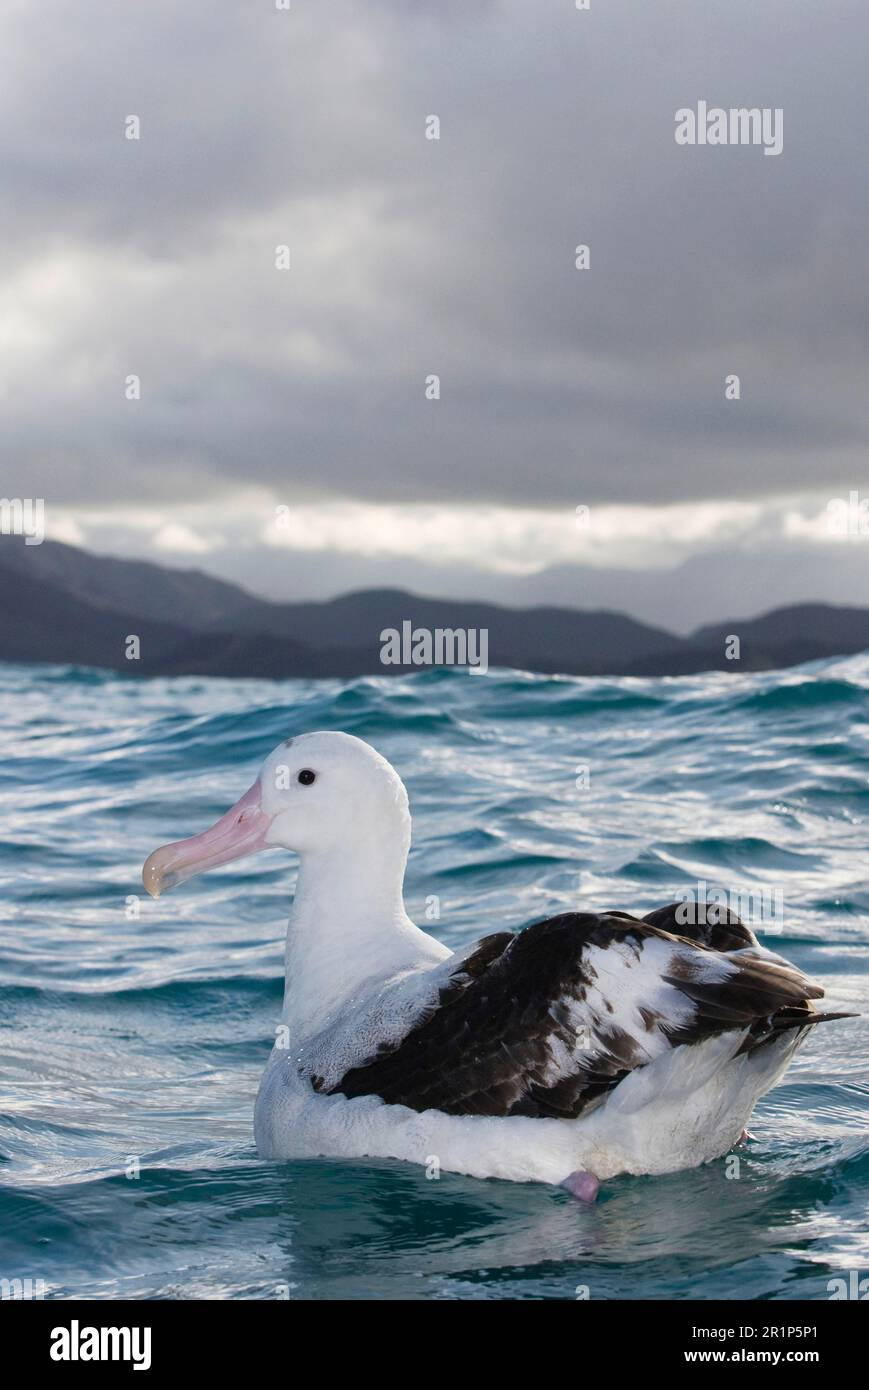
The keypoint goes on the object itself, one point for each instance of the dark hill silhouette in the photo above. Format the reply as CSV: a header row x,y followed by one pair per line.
x,y
61,604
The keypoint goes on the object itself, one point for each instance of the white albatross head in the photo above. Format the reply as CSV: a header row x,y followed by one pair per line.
x,y
317,794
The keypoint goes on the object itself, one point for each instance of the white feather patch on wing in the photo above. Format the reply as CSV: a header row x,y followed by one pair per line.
x,y
631,978
629,995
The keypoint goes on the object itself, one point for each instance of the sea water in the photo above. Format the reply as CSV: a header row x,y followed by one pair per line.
x,y
133,1033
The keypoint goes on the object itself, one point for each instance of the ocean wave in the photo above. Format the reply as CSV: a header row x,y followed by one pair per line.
x,y
142,1037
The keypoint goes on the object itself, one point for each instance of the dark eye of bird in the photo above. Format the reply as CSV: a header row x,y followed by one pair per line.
x,y
306,776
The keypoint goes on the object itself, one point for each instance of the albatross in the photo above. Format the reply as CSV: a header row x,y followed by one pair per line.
x,y
581,1047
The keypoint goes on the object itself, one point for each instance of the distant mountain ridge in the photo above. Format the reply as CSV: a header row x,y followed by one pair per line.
x,y
65,605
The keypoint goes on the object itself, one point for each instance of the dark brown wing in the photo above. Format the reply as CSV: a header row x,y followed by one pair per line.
x,y
722,930
546,1022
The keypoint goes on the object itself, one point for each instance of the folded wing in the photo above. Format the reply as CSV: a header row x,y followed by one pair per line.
x,y
548,1021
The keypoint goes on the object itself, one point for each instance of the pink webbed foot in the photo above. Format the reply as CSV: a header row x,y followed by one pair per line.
x,y
581,1185
744,1138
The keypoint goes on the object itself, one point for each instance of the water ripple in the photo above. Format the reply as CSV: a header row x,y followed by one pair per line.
x,y
132,1033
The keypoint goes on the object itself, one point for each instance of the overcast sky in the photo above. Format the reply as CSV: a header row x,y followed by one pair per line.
x,y
304,389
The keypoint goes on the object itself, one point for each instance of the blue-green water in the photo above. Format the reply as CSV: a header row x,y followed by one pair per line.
x,y
134,1043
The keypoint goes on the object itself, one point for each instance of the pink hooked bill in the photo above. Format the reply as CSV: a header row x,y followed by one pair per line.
x,y
240,832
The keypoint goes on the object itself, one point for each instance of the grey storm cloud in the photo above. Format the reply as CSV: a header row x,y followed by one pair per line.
x,y
410,257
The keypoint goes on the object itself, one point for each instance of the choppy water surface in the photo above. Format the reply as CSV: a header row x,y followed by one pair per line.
x,y
135,1042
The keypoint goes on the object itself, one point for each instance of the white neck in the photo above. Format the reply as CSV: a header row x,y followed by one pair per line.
x,y
348,926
